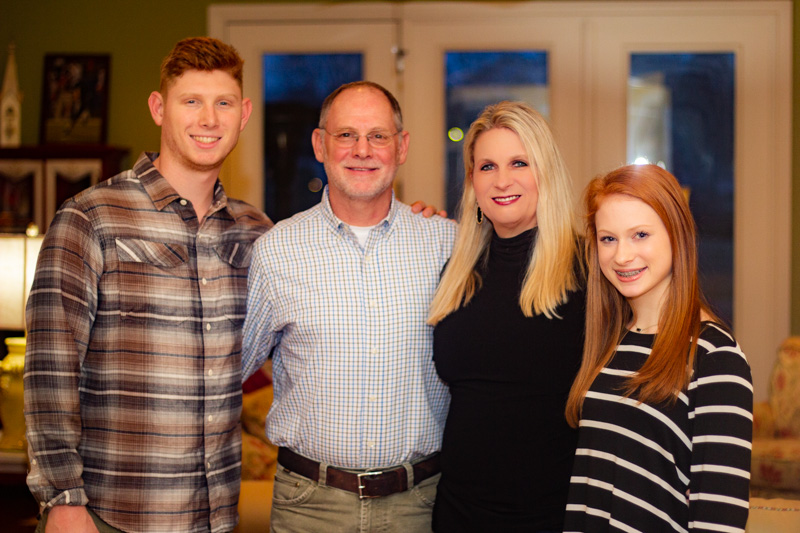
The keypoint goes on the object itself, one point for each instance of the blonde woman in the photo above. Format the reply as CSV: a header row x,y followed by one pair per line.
x,y
664,397
508,337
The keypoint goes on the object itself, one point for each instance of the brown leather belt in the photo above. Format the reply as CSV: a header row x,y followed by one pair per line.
x,y
367,484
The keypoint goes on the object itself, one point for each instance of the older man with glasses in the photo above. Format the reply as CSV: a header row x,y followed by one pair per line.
x,y
339,295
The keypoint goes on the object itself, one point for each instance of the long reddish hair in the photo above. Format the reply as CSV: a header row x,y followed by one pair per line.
x,y
668,368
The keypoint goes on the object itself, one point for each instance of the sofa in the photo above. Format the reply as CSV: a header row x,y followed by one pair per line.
x,y
775,468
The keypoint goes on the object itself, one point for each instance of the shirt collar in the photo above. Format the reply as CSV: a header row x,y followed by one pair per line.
x,y
337,224
161,192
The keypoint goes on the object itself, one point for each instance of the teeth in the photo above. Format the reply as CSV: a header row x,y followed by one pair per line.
x,y
629,274
507,198
205,139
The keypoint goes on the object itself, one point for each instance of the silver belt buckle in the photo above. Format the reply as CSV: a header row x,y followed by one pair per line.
x,y
361,485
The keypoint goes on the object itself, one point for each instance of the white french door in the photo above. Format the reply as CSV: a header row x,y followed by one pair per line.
x,y
760,41
589,49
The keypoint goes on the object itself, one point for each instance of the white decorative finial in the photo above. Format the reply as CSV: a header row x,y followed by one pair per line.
x,y
10,104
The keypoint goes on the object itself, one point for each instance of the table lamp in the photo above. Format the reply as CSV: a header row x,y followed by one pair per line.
x,y
18,254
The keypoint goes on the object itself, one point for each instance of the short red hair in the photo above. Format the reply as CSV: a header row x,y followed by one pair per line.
x,y
203,54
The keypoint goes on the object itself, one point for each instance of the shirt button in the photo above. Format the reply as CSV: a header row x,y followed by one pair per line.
x,y
371,443
373,303
183,201
33,461
210,418
374,351
373,398
205,281
209,466
208,327
211,372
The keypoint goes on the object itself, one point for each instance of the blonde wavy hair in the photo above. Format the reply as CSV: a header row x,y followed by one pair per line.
x,y
551,270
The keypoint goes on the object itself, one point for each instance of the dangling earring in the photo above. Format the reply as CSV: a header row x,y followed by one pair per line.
x,y
479,214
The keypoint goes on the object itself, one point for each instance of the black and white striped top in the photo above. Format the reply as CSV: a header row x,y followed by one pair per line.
x,y
653,468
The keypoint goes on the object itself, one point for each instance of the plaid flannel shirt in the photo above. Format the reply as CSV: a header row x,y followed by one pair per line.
x,y
133,369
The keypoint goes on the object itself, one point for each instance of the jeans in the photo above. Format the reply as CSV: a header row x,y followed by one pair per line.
x,y
300,505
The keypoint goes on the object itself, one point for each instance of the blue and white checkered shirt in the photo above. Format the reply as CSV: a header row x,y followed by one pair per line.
x,y
355,384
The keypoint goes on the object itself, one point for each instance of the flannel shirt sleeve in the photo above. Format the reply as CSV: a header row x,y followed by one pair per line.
x,y
60,314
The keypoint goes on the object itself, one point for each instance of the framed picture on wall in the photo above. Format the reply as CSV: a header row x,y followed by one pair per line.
x,y
64,178
21,190
75,99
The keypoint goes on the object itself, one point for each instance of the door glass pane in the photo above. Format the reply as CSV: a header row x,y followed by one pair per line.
x,y
294,87
681,115
477,79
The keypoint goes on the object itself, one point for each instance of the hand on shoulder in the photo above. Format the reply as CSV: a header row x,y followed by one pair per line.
x,y
427,210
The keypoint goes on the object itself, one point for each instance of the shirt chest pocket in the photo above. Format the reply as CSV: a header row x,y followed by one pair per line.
x,y
236,254
232,299
155,281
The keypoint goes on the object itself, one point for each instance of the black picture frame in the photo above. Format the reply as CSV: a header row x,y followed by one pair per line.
x,y
75,99
21,186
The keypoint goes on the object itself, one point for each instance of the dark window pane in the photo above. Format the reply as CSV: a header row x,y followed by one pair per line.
x,y
294,87
681,113
477,79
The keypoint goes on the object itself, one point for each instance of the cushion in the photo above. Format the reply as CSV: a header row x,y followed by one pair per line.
x,y
255,406
776,464
256,381
259,458
763,421
261,378
785,389
259,455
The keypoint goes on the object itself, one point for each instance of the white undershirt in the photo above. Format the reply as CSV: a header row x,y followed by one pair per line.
x,y
361,233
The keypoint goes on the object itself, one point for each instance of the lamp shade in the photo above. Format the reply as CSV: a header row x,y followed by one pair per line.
x,y
18,254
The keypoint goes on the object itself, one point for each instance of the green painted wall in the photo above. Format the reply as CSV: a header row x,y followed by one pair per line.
x,y
138,34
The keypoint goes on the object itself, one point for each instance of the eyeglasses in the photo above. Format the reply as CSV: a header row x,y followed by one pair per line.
x,y
376,139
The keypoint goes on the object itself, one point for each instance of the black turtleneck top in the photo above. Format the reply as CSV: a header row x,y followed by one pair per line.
x,y
507,450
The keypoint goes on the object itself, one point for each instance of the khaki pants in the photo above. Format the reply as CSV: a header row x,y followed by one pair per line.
x,y
300,505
